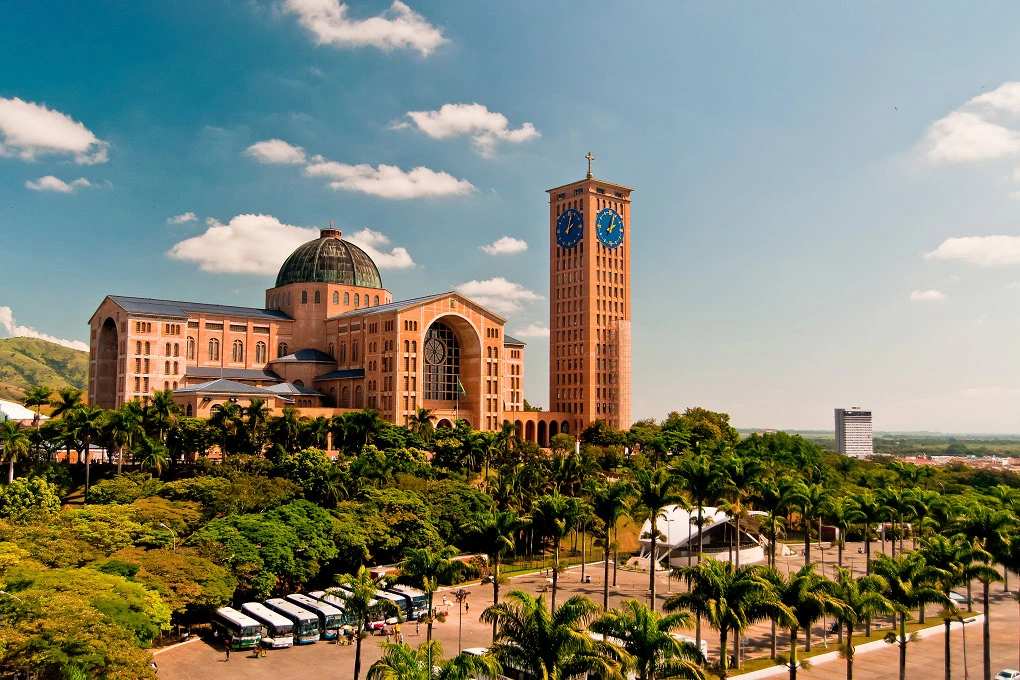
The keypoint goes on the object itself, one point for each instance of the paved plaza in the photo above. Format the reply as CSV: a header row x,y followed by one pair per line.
x,y
199,660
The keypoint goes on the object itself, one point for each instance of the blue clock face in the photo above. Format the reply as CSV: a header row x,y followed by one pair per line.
x,y
569,228
609,228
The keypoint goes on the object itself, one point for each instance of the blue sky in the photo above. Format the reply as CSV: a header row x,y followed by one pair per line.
x,y
816,185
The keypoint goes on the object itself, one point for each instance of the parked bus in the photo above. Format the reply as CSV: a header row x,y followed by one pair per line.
x,y
417,600
400,606
377,613
277,630
306,624
331,619
241,630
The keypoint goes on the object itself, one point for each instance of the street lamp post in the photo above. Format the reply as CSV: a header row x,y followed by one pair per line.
x,y
461,595
669,549
963,624
173,535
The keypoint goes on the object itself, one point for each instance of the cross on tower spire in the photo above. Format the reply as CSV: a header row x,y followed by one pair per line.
x,y
590,159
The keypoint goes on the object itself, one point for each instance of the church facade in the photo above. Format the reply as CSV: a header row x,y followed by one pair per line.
x,y
330,338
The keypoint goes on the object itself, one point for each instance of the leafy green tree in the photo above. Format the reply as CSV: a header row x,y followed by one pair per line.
x,y
125,488
423,568
358,594
15,443
737,479
730,599
496,534
422,423
152,454
28,494
163,413
911,583
124,427
227,422
553,645
35,397
647,637
805,597
857,599
86,422
609,501
810,500
655,491
403,662
553,516
842,513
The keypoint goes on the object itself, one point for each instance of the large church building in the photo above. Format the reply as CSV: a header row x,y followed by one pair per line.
x,y
330,337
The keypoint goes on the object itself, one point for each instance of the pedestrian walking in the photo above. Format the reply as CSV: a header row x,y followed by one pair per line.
x,y
467,606
226,645
417,627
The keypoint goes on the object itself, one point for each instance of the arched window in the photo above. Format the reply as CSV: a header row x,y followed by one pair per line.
x,y
359,397
407,345
166,367
317,298
166,385
298,383
442,363
343,352
281,349
336,297
414,346
331,350
354,351
238,353
147,349
357,300
188,411
214,350
177,349
167,352
345,397
375,302
260,353
488,352
175,368
332,396
347,299
304,297
191,348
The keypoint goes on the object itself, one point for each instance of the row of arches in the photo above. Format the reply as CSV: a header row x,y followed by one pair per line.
x,y
540,432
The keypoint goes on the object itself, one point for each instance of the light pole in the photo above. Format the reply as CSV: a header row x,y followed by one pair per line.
x,y
13,597
963,624
461,595
669,549
172,535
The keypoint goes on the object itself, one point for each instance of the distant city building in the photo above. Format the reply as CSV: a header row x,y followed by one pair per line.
x,y
853,432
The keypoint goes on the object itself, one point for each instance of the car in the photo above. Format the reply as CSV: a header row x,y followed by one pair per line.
x,y
957,598
1008,674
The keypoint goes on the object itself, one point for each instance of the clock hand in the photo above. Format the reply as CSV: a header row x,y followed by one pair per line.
x,y
570,223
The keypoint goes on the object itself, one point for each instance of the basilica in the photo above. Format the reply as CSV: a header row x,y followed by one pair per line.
x,y
331,338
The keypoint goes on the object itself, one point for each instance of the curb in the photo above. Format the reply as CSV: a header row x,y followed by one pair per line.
x,y
192,638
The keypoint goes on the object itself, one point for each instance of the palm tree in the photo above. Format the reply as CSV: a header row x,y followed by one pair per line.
x,y
125,425
806,596
842,513
152,454
285,430
858,598
655,490
364,426
910,584
257,414
730,599
737,484
358,595
503,443
810,500
164,412
423,568
700,478
15,444
403,662
68,399
551,645
497,536
86,422
421,423
226,420
609,501
553,516
36,396
869,511
647,637
954,558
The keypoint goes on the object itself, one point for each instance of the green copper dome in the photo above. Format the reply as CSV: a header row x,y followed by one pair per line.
x,y
328,259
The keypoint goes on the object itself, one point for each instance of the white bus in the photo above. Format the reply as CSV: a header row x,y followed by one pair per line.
x,y
399,602
417,601
240,630
377,613
331,619
306,624
277,630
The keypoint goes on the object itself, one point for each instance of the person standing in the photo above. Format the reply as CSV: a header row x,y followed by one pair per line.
x,y
226,644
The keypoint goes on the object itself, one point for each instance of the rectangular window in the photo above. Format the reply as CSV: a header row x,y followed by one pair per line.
x,y
138,384
238,328
145,384
261,330
210,326
192,324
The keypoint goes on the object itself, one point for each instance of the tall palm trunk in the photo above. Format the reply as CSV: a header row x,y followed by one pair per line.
x,y
701,548
556,573
88,465
903,646
495,590
605,574
849,650
651,567
867,572
357,648
793,653
428,627
582,554
616,553
946,652
10,469
807,540
738,542
723,661
987,641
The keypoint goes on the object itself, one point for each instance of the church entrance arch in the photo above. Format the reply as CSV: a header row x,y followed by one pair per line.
x,y
542,440
451,353
106,366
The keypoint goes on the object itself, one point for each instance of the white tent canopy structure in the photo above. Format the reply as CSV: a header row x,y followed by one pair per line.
x,y
678,536
16,412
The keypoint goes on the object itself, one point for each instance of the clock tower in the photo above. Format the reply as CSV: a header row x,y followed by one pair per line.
x,y
589,302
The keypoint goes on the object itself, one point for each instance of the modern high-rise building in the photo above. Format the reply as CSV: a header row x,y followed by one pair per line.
x,y
853,432
589,302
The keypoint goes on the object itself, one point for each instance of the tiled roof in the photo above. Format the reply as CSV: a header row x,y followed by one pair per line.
x,y
136,305
390,307
222,387
508,340
231,373
307,355
343,373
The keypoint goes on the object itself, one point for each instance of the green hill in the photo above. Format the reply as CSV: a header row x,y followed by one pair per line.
x,y
27,361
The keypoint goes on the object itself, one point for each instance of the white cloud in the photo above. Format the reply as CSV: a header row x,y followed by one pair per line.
x,y
28,130
51,183
258,244
399,27
532,331
983,251
1005,97
486,128
276,151
963,137
8,324
1012,285
181,219
498,294
370,241
388,181
927,296
507,245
